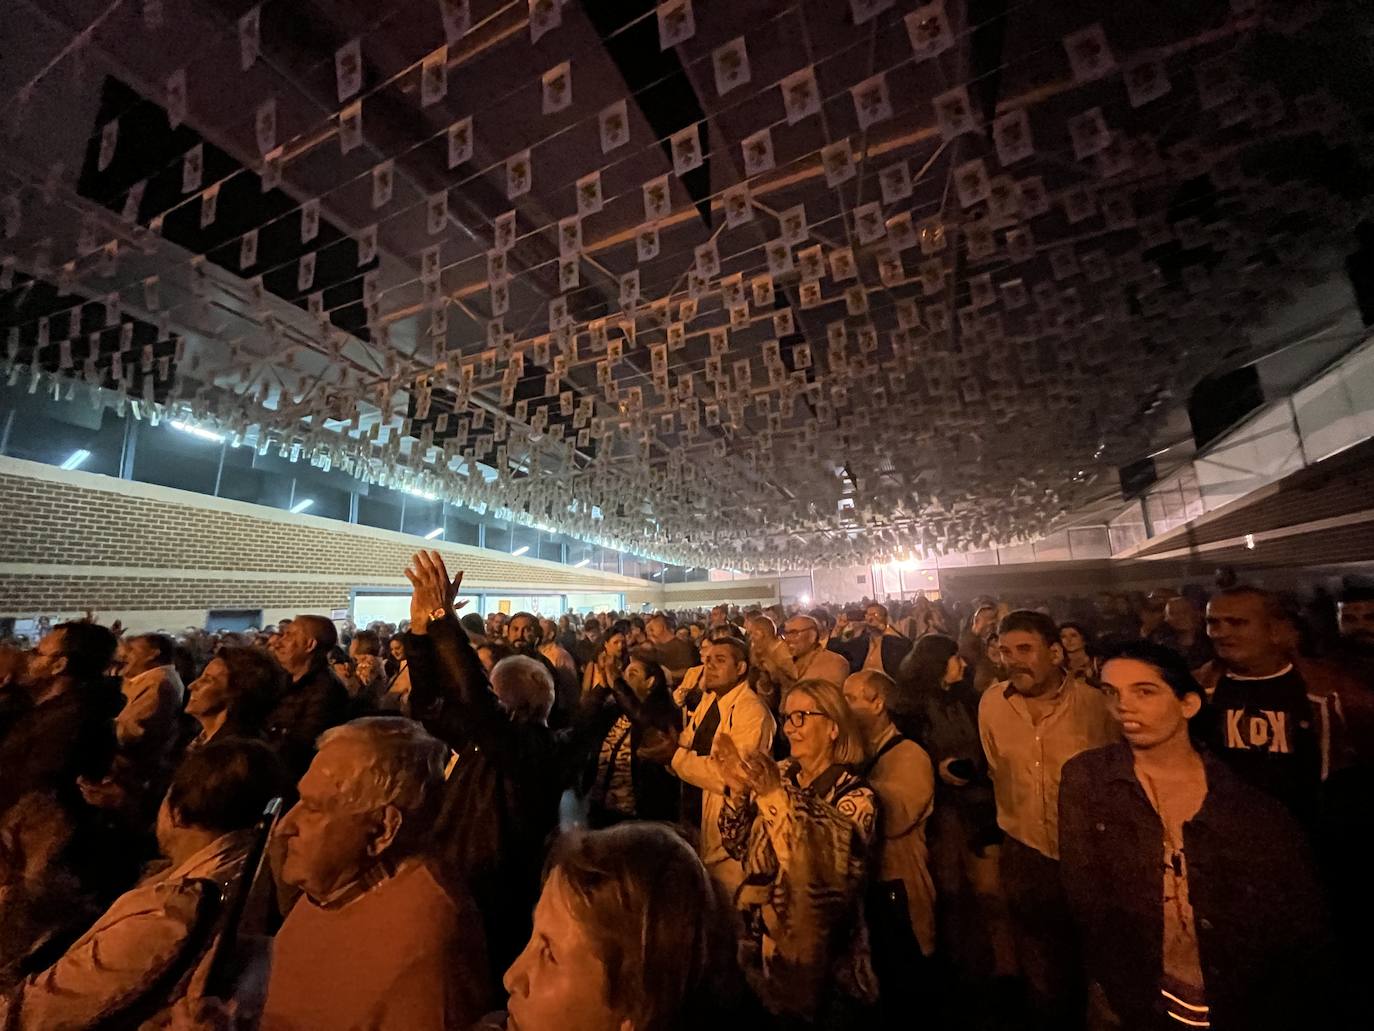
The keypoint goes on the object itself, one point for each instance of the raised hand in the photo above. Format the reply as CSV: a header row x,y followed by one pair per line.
x,y
432,591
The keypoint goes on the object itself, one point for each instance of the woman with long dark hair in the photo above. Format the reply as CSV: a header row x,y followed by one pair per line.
x,y
1080,652
609,660
615,782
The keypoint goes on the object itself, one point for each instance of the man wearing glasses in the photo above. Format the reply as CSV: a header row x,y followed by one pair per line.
x,y
811,661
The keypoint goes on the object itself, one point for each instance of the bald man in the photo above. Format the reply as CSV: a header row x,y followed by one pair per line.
x,y
810,658
316,699
901,905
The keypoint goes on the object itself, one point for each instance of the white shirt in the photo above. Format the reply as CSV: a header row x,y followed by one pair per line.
x,y
749,724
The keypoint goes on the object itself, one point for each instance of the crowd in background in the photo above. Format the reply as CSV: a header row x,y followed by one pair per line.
x,y
1123,811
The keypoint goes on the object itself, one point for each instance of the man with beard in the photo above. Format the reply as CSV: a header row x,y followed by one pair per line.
x,y
65,729
1032,724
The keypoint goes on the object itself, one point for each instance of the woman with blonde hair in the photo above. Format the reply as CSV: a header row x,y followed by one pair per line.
x,y
802,830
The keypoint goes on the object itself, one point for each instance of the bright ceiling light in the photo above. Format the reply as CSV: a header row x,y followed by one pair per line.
x,y
76,458
520,550
302,505
196,431
806,599
438,531
584,562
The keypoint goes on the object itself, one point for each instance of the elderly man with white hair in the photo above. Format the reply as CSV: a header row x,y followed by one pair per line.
x,y
380,938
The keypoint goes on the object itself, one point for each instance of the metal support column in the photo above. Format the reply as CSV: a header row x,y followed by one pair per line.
x,y
5,434
129,448
219,471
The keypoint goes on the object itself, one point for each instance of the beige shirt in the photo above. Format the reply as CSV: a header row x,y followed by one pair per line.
x,y
749,724
823,664
904,782
1025,758
141,934
150,719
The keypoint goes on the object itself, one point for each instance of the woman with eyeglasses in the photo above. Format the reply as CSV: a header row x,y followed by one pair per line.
x,y
801,828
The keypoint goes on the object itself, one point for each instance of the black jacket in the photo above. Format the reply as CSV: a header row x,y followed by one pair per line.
x,y
306,709
895,648
657,792
501,800
1263,938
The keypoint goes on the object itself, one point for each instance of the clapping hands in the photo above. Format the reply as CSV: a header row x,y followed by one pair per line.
x,y
756,772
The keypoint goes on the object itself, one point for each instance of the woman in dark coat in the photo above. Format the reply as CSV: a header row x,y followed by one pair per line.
x,y
615,782
1196,894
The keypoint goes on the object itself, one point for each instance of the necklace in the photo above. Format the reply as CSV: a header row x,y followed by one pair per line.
x,y
1175,857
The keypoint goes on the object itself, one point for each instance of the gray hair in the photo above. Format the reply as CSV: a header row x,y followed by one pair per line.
x,y
405,766
525,687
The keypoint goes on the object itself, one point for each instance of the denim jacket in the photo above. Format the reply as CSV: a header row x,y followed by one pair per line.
x,y
1263,938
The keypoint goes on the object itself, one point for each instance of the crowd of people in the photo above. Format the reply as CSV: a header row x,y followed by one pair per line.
x,y
1136,813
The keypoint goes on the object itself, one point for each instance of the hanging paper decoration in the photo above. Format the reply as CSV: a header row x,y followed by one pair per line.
x,y
109,139
569,236
1090,56
1146,80
801,97
657,199
545,15
192,169
457,19
954,113
348,69
646,242
503,232
589,194
436,212
367,245
676,23
929,31
248,250
265,126
738,209
434,77
518,175
1011,135
176,98
383,177
1089,133
557,88
460,142
686,150
614,125
838,161
209,203
351,127
731,64
249,38
871,101
758,152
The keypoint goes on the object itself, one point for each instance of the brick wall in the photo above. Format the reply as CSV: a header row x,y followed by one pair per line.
x,y
72,540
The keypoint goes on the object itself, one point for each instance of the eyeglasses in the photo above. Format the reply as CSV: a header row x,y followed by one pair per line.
x,y
797,631
796,719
